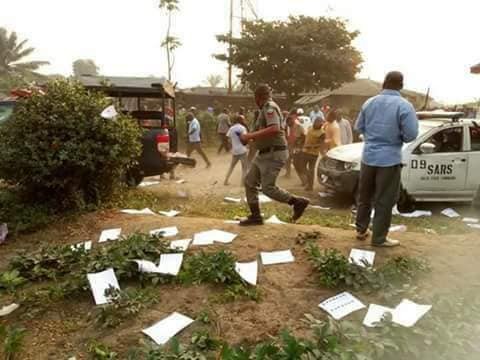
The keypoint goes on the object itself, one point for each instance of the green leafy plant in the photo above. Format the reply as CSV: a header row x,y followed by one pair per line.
x,y
10,280
12,340
100,351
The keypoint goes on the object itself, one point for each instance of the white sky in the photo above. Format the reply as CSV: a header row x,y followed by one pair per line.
x,y
434,42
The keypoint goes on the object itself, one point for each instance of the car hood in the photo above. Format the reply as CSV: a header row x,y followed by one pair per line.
x,y
347,153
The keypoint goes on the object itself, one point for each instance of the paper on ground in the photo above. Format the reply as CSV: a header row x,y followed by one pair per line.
x,y
277,257
165,329
450,213
145,211
3,232
87,245
375,314
320,207
416,214
232,199
170,264
398,228
341,305
262,199
181,181
211,236
407,313
146,266
274,220
361,257
165,232
470,220
248,271
99,282
148,183
110,235
109,112
8,309
181,245
232,222
474,226
171,213
324,194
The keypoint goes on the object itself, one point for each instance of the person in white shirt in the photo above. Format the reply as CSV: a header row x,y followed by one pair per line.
x,y
316,113
346,133
303,119
239,151
194,138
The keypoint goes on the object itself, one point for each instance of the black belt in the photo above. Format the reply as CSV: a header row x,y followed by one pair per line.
x,y
272,149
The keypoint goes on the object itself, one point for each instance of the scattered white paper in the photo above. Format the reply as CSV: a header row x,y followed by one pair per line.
x,y
362,258
395,211
248,271
148,183
417,214
170,264
407,313
8,309
450,213
181,181
145,211
87,245
470,220
398,228
229,199
3,232
277,257
262,199
165,329
99,282
146,266
375,314
341,305
165,232
171,213
110,235
474,226
324,194
232,222
320,207
211,236
275,220
109,112
181,245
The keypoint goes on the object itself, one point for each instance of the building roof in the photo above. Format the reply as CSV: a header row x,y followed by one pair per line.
x,y
475,69
213,91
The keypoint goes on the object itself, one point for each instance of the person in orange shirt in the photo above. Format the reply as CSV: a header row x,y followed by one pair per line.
x,y
313,147
332,130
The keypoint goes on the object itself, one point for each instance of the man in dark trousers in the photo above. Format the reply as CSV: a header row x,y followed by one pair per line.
x,y
387,121
269,138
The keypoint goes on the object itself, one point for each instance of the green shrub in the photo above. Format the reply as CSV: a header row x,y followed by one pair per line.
x,y
59,149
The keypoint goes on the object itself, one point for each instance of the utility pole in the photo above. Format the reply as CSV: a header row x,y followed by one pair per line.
x,y
230,49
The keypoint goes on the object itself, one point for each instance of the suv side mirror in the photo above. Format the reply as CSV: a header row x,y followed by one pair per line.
x,y
427,148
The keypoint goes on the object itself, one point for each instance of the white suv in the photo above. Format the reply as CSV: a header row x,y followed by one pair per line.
x,y
442,164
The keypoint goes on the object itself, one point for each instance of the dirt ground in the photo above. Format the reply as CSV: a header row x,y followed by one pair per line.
x,y
288,292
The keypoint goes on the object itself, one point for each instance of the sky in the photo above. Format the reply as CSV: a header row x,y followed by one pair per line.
x,y
432,42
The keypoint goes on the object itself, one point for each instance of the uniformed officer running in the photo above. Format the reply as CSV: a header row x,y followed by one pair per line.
x,y
269,138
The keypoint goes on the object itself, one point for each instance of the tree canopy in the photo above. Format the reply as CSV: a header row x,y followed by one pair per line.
x,y
303,54
84,67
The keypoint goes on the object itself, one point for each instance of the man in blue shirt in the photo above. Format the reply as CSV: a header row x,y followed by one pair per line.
x,y
194,138
386,121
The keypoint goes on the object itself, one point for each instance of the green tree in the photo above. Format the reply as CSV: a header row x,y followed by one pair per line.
x,y
84,67
302,54
214,80
170,43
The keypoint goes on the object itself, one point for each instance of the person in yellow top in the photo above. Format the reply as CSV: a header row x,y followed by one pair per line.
x,y
313,147
333,137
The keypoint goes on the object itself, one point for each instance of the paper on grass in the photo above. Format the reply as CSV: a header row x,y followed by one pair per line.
x,y
470,220
361,257
165,232
148,183
145,211
375,314
320,207
417,214
146,266
165,329
262,199
170,264
109,112
325,194
181,245
180,181
87,245
211,236
229,199
398,228
232,222
474,226
99,282
341,305
171,213
275,220
450,213
248,271
110,235
277,257
8,309
407,313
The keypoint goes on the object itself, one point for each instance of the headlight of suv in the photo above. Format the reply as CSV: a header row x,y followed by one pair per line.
x,y
349,166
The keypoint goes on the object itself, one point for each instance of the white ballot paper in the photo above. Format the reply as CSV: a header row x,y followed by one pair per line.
x,y
145,211
407,313
450,213
148,183
170,264
99,282
277,257
248,271
109,112
341,305
87,245
229,199
320,207
274,220
474,226
8,309
165,232
417,214
147,266
262,199
162,331
232,222
470,220
398,228
324,194
375,314
211,236
181,245
110,235
361,257
171,213
180,181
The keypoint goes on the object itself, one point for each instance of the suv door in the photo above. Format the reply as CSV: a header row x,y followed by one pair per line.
x,y
443,171
473,180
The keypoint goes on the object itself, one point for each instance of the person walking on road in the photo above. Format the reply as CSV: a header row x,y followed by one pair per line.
x,y
194,138
223,124
239,151
269,137
387,121
314,146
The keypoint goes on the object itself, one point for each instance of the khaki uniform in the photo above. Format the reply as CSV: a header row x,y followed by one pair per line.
x,y
271,158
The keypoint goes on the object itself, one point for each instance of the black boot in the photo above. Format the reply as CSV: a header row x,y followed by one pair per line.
x,y
255,218
299,205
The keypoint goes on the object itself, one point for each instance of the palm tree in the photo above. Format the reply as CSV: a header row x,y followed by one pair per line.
x,y
171,43
12,52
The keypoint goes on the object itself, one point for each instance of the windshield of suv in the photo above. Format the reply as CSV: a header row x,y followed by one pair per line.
x,y
6,110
